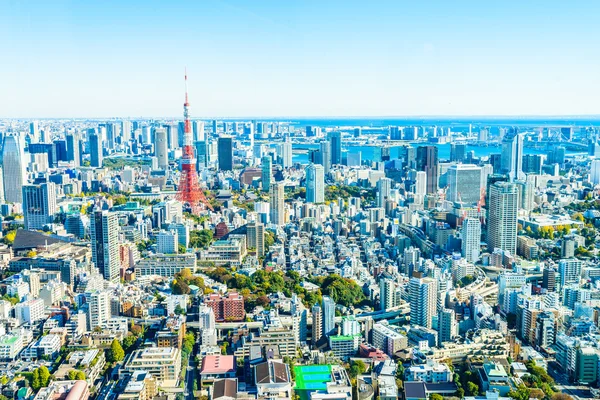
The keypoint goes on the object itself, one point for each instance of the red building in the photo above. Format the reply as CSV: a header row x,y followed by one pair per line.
x,y
221,230
226,308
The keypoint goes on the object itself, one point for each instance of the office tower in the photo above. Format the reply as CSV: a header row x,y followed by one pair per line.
x,y
427,161
161,150
13,168
328,306
98,308
512,156
471,239
277,205
569,270
384,189
73,149
464,183
354,159
502,217
525,191
126,128
532,163
546,334
225,150
385,153
96,151
255,237
325,152
286,153
34,131
266,168
111,134
387,292
447,326
2,200
458,152
420,187
594,172
335,138
215,125
495,160
39,205
315,184
317,324
167,242
549,279
423,300
198,128
395,133
104,229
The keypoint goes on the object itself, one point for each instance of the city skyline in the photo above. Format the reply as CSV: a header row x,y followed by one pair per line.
x,y
298,60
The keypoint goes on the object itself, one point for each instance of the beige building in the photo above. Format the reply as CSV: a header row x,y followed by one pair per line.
x,y
164,363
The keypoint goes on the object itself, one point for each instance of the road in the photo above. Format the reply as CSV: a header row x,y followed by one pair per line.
x,y
190,375
564,386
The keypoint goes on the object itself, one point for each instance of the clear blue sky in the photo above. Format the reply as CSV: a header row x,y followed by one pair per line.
x,y
299,58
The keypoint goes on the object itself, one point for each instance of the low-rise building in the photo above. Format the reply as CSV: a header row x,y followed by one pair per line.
x,y
431,372
164,363
216,367
166,265
273,380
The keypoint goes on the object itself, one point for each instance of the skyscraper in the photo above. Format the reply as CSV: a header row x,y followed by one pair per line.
x,y
335,138
471,239
73,149
458,152
569,270
315,184
255,237
317,324
423,300
464,183
387,292
325,152
447,326
286,153
39,204
266,169
161,150
225,150
96,150
384,189
427,161
98,308
420,187
512,156
104,229
502,217
13,168
276,199
328,306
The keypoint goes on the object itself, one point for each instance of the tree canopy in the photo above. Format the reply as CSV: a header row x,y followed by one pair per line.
x,y
116,352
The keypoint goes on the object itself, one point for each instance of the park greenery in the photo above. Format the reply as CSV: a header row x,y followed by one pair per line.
x,y
120,163
76,375
115,353
201,239
183,279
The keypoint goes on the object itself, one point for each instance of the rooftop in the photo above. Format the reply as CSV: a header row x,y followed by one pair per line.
x,y
217,364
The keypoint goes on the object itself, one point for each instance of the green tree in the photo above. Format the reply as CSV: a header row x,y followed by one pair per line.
x,y
116,352
178,286
472,388
44,375
9,237
435,396
129,342
181,249
75,375
36,382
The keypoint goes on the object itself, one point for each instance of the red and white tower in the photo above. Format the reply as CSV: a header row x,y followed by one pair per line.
x,y
190,191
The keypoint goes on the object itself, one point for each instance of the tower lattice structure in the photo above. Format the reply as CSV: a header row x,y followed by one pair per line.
x,y
190,191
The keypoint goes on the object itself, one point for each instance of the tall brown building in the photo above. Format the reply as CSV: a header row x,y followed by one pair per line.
x,y
226,308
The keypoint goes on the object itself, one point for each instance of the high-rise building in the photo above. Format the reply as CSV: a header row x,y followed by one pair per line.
x,y
423,300
335,138
325,152
458,152
167,242
96,155
420,187
315,184
546,333
502,217
161,149
471,239
387,291
266,169
512,156
525,190
126,128
73,149
226,308
317,324
225,150
277,205
39,205
384,189
464,183
255,237
427,161
13,168
104,229
98,311
447,326
549,279
286,153
569,270
328,306
532,163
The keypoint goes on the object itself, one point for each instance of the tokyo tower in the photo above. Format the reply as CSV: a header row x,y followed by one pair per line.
x,y
190,191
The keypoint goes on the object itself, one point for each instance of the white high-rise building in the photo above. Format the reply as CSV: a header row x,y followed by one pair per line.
x,y
98,312
13,168
328,306
512,156
39,205
387,292
464,183
167,242
420,187
526,193
502,217
325,151
30,311
315,184
350,326
104,229
423,300
569,270
447,326
277,204
286,153
471,239
595,172
384,189
161,149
